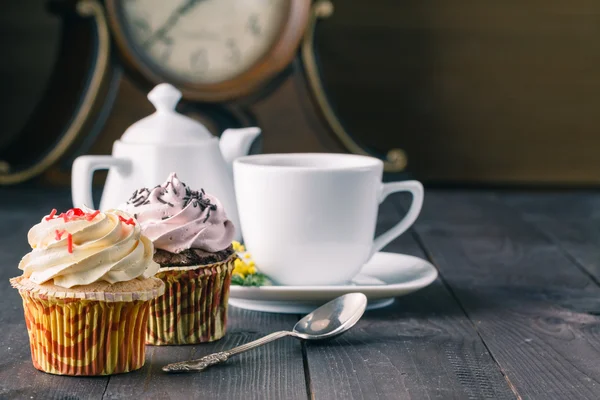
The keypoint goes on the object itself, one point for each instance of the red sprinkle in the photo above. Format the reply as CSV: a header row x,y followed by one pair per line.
x,y
78,212
52,214
91,216
59,234
72,214
70,243
129,221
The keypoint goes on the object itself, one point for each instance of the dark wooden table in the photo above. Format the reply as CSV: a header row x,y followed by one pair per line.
x,y
514,314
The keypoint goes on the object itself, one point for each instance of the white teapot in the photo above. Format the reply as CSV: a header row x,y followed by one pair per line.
x,y
159,144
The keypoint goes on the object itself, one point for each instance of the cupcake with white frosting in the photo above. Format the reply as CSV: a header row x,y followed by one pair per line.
x,y
192,237
86,286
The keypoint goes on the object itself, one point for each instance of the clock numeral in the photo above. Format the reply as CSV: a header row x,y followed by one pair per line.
x,y
253,26
199,61
234,55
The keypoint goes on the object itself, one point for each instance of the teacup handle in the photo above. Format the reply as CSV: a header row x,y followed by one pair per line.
x,y
416,189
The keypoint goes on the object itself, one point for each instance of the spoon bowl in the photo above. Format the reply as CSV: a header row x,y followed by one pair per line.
x,y
333,318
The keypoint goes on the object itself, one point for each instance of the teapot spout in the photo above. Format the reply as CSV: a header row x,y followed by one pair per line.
x,y
236,143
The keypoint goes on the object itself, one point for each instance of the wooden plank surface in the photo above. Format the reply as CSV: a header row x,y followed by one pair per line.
x,y
422,346
515,313
529,302
569,220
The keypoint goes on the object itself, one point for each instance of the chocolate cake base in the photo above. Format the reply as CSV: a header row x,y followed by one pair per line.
x,y
191,257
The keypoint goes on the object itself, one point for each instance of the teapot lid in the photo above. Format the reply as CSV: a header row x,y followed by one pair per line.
x,y
166,125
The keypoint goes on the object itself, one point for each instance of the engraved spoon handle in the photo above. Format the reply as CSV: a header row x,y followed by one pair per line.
x,y
216,358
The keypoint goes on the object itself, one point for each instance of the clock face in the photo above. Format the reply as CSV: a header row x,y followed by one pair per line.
x,y
203,41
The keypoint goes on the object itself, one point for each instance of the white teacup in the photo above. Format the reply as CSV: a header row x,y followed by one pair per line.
x,y
309,219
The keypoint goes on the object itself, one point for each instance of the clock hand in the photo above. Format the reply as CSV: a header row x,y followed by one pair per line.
x,y
170,23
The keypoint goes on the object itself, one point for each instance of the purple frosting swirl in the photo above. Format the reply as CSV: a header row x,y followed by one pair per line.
x,y
177,218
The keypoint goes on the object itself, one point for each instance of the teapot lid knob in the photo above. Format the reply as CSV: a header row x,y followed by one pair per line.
x,y
166,126
164,97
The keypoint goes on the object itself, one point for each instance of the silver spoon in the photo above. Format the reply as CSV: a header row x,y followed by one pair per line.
x,y
329,320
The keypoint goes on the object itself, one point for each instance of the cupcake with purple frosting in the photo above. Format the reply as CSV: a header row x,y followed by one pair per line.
x,y
192,239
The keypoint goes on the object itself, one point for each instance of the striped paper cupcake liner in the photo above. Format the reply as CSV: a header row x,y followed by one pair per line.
x,y
83,337
194,306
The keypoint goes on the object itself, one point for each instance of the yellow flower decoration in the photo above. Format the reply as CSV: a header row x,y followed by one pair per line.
x,y
238,247
243,265
244,269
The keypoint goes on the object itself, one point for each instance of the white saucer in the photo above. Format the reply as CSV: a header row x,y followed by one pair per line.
x,y
386,276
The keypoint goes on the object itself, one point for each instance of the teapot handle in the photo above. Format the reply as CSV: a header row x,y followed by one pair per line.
x,y
83,172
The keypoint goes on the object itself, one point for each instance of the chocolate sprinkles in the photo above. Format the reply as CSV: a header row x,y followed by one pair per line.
x,y
164,202
172,185
197,199
139,197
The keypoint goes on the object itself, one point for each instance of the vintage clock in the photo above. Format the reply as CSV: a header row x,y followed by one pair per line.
x,y
212,50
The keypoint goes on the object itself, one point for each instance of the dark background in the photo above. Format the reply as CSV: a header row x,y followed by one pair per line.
x,y
476,92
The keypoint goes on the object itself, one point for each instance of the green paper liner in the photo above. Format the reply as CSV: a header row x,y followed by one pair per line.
x,y
85,337
194,306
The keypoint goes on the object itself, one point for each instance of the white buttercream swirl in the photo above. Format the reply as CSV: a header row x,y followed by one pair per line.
x,y
104,248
